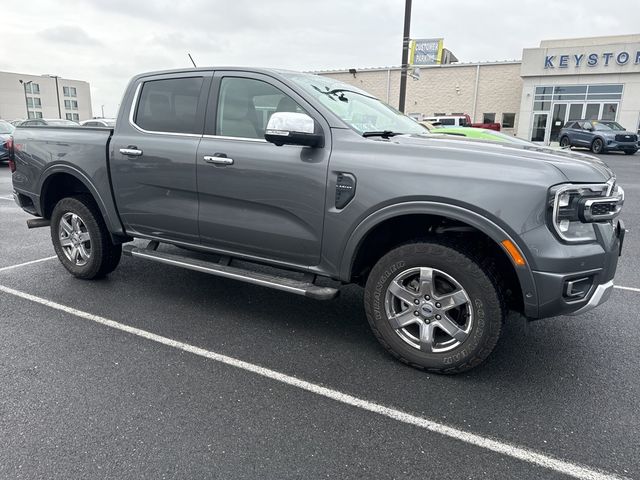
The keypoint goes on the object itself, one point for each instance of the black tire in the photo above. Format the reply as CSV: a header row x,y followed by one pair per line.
x,y
485,308
630,152
597,146
104,256
564,142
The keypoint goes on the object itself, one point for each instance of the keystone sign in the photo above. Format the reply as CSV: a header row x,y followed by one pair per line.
x,y
592,59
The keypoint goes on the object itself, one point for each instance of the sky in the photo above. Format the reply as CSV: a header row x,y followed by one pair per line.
x,y
105,42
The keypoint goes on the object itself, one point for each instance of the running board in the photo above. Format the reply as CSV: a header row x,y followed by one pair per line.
x,y
299,287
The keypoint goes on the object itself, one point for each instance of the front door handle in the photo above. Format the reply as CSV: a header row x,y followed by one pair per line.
x,y
131,151
218,159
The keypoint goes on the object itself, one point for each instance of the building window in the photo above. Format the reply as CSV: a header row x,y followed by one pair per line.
x,y
488,118
67,104
71,104
72,116
437,114
508,120
69,91
69,116
35,115
33,88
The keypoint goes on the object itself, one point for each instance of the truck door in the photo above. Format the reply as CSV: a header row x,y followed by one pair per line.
x,y
153,156
256,198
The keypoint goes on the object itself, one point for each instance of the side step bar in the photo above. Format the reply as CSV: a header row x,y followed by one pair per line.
x,y
298,287
38,222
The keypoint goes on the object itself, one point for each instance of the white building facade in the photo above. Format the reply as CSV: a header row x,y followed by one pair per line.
x,y
43,96
572,79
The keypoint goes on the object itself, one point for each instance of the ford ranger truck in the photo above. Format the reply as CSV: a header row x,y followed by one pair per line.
x,y
301,183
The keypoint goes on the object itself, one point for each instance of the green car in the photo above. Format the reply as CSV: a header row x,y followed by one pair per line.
x,y
477,133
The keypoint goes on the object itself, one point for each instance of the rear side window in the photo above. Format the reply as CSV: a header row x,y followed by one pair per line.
x,y
447,121
169,105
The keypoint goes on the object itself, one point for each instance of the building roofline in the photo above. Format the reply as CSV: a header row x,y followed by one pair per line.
x,y
395,67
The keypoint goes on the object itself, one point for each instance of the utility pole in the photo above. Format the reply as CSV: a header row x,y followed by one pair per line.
x,y
405,55
58,96
102,107
26,102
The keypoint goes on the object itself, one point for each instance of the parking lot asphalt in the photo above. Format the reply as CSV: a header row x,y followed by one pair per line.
x,y
81,400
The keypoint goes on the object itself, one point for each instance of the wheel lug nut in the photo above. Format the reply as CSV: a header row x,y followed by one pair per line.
x,y
438,305
426,320
416,301
416,313
427,297
438,317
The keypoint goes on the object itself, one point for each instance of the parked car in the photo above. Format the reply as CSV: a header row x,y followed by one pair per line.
x,y
460,121
327,185
598,135
54,122
6,130
99,122
16,122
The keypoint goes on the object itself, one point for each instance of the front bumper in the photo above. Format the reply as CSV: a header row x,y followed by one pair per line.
x,y
612,145
575,291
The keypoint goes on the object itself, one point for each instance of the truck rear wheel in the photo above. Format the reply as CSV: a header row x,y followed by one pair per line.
x,y
81,239
434,307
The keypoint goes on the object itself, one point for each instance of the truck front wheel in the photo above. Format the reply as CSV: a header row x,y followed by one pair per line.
x,y
81,239
434,307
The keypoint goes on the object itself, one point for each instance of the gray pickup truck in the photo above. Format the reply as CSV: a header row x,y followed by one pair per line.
x,y
301,183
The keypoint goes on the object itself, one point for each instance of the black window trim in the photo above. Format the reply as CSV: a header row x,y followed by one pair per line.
x,y
202,102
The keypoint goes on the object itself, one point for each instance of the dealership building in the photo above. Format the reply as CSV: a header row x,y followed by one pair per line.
x,y
561,80
43,96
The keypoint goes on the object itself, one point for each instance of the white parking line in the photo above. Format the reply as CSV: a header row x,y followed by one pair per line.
x,y
11,267
520,453
630,289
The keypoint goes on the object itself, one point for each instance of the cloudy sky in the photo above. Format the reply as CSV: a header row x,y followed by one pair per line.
x,y
107,41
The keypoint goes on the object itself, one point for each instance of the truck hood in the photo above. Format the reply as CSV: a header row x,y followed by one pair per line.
x,y
576,167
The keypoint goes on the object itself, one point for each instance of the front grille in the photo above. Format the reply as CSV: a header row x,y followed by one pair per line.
x,y
626,138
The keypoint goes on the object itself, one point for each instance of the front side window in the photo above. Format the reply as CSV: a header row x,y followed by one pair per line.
x,y
358,109
169,105
245,106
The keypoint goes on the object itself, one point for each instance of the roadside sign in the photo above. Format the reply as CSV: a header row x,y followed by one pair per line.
x,y
425,51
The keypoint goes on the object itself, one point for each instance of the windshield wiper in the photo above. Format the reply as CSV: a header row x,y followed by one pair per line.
x,y
381,133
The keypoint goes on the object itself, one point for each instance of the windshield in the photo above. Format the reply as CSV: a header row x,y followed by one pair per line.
x,y
607,126
358,109
6,127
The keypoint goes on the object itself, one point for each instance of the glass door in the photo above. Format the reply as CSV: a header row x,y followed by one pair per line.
x,y
558,120
539,128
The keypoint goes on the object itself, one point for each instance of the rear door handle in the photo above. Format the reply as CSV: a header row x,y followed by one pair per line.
x,y
218,159
131,151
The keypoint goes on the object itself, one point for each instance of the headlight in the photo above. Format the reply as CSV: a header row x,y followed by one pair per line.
x,y
574,207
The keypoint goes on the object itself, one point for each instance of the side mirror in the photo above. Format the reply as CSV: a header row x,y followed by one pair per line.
x,y
291,128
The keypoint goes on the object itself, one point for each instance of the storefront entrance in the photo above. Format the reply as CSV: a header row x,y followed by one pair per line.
x,y
560,104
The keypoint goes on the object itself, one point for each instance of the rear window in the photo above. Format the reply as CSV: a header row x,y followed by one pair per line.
x,y
169,105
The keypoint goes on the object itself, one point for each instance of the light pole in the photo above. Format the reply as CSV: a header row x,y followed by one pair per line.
x,y
56,77
405,55
26,102
102,107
